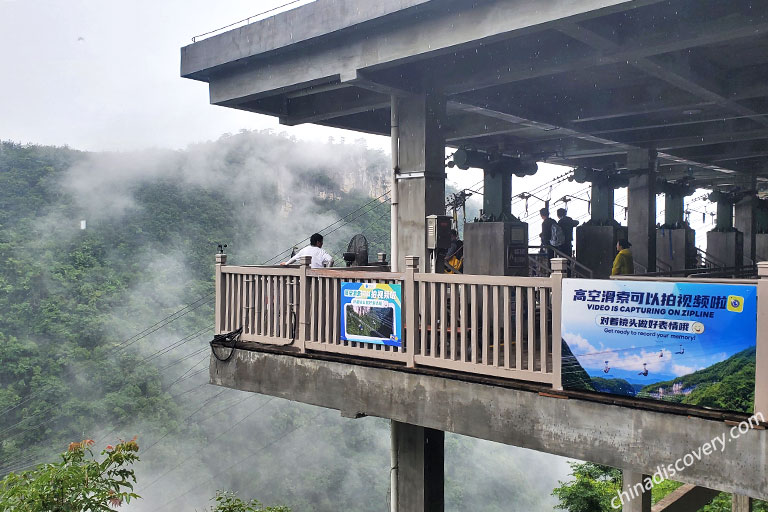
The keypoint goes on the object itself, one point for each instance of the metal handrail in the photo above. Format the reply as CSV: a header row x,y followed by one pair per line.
x,y
586,272
708,260
245,20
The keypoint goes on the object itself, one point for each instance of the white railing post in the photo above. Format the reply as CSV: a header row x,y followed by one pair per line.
x,y
761,363
559,270
304,304
411,317
221,260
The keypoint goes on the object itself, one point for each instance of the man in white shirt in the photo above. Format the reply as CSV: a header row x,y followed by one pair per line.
x,y
320,258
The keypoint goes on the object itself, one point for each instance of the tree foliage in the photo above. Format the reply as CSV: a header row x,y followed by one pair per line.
x,y
591,489
230,502
77,483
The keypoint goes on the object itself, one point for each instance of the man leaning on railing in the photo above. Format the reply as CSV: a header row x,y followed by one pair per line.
x,y
320,258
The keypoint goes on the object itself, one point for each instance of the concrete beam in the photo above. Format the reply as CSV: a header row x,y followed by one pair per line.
x,y
685,79
336,103
296,27
686,498
635,439
415,38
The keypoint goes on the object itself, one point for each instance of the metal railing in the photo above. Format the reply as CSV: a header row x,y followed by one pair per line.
x,y
246,21
709,261
486,325
541,267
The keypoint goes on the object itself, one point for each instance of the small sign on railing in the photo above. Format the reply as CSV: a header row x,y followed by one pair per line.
x,y
371,313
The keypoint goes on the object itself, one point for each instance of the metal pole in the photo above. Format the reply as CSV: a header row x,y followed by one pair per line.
x,y
393,497
394,265
395,136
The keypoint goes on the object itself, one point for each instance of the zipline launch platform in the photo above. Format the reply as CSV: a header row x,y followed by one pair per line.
x,y
660,97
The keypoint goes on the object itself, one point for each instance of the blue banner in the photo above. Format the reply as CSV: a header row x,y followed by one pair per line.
x,y
679,342
371,313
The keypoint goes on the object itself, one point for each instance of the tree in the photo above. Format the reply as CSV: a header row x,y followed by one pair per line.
x,y
592,489
78,483
229,502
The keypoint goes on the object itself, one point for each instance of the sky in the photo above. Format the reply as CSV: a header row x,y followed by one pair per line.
x,y
104,76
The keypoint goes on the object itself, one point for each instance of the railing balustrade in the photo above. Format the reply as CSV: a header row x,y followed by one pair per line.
x,y
487,325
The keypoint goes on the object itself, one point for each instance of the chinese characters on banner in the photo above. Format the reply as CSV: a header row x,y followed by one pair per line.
x,y
657,340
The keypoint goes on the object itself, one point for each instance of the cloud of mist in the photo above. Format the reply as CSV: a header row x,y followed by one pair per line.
x,y
293,454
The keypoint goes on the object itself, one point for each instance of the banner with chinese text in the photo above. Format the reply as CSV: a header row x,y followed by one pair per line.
x,y
691,343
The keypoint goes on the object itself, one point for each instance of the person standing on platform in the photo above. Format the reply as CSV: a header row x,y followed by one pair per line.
x,y
623,264
567,224
320,258
547,229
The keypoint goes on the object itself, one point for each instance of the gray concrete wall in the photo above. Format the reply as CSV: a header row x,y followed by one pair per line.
x,y
633,439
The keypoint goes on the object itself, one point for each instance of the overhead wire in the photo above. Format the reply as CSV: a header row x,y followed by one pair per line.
x,y
239,461
209,443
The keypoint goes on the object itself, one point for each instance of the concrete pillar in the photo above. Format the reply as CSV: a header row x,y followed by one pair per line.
x,y
724,219
741,504
421,185
674,209
420,468
497,199
746,222
633,484
602,204
641,217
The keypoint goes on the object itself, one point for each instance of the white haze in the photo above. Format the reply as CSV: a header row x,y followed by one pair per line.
x,y
297,442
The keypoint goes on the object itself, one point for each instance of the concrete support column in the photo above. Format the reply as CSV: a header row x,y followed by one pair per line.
x,y
497,199
421,185
633,486
602,203
641,218
420,468
724,220
746,222
674,209
741,504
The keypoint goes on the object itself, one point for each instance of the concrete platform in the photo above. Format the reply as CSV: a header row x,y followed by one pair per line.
x,y
619,436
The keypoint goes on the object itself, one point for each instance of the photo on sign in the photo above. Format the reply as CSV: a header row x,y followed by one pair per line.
x,y
369,322
371,313
688,343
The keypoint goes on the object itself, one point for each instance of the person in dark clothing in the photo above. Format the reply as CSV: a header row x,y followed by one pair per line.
x,y
567,224
546,232
454,257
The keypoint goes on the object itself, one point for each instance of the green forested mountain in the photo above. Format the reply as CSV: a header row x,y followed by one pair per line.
x,y
729,384
77,360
